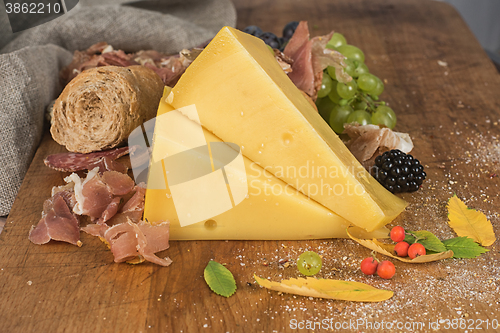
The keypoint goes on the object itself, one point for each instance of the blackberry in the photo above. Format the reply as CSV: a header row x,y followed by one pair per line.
x,y
398,172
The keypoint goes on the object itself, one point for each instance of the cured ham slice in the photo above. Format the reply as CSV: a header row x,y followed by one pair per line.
x,y
299,49
66,191
72,162
168,67
129,240
57,223
96,195
100,197
92,194
100,54
368,141
323,57
95,229
131,211
118,183
310,58
110,210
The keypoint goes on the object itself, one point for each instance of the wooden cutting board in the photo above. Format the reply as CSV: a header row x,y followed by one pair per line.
x,y
445,92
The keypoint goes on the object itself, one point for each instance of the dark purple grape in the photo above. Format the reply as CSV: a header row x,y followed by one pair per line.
x,y
253,30
290,29
270,39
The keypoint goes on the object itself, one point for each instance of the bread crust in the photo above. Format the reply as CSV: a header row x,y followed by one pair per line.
x,y
100,107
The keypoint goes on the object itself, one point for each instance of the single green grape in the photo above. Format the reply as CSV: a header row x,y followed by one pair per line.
x,y
360,116
367,81
352,52
379,88
347,90
334,95
309,263
359,105
325,106
331,71
384,115
361,68
343,102
349,69
338,117
336,41
326,86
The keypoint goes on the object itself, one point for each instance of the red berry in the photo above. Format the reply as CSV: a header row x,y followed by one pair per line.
x,y
386,269
401,249
398,234
416,250
369,266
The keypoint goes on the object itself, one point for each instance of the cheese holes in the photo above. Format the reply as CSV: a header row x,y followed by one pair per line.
x,y
287,139
210,224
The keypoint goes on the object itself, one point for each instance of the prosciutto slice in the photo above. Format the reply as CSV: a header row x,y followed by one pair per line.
x,y
131,211
105,160
168,67
95,229
57,223
299,49
368,141
100,54
310,58
118,183
96,195
100,197
129,240
323,57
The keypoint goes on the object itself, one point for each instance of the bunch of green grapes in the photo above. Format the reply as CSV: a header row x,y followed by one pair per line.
x,y
356,101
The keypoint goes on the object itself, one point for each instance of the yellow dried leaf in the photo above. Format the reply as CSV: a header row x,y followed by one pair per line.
x,y
469,222
327,288
388,250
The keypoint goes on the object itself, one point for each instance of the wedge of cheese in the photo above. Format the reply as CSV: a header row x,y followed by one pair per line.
x,y
271,211
243,96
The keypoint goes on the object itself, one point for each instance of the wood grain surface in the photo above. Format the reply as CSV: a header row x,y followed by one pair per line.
x,y
445,92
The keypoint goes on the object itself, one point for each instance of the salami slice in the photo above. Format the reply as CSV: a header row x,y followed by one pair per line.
x,y
72,162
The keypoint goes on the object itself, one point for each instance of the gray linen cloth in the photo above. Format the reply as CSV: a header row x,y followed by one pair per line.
x,y
30,61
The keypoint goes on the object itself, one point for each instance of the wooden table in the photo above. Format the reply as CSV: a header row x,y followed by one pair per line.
x,y
445,92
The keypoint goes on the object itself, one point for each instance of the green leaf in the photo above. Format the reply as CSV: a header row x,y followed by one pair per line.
x,y
464,247
219,279
409,238
429,241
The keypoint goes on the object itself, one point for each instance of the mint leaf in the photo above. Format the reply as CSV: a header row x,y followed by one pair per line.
x,y
429,241
464,247
219,279
409,238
